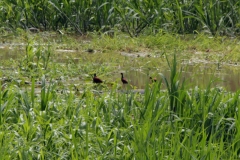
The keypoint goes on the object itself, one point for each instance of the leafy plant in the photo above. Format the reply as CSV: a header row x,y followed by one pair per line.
x,y
134,17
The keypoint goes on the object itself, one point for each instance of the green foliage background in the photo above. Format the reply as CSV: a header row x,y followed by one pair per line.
x,y
132,16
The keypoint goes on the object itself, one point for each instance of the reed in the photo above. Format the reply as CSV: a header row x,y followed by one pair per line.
x,y
203,122
133,17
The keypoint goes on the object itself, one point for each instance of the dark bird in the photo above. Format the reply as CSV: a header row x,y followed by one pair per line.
x,y
124,81
96,79
153,79
90,50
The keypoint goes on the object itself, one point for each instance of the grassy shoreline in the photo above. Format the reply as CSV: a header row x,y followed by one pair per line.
x,y
62,123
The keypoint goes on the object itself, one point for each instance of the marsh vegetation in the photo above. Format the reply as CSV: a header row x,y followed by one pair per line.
x,y
134,17
51,109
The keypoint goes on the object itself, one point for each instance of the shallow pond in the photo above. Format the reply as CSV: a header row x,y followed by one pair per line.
x,y
195,73
201,76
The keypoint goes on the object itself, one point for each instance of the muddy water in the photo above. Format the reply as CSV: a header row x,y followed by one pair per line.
x,y
227,77
195,74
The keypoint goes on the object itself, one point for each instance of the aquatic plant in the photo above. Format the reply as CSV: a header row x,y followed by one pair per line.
x,y
177,123
133,17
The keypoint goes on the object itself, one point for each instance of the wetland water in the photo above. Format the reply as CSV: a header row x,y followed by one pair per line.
x,y
226,77
195,74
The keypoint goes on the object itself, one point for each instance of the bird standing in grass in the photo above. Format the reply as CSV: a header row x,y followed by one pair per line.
x,y
96,79
153,79
124,81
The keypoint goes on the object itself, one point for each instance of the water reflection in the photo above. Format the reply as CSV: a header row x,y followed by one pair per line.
x,y
226,77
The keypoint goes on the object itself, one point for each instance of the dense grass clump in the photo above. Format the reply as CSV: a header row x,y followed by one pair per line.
x,y
133,17
177,123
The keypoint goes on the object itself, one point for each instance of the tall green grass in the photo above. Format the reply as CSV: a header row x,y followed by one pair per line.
x,y
133,17
176,123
